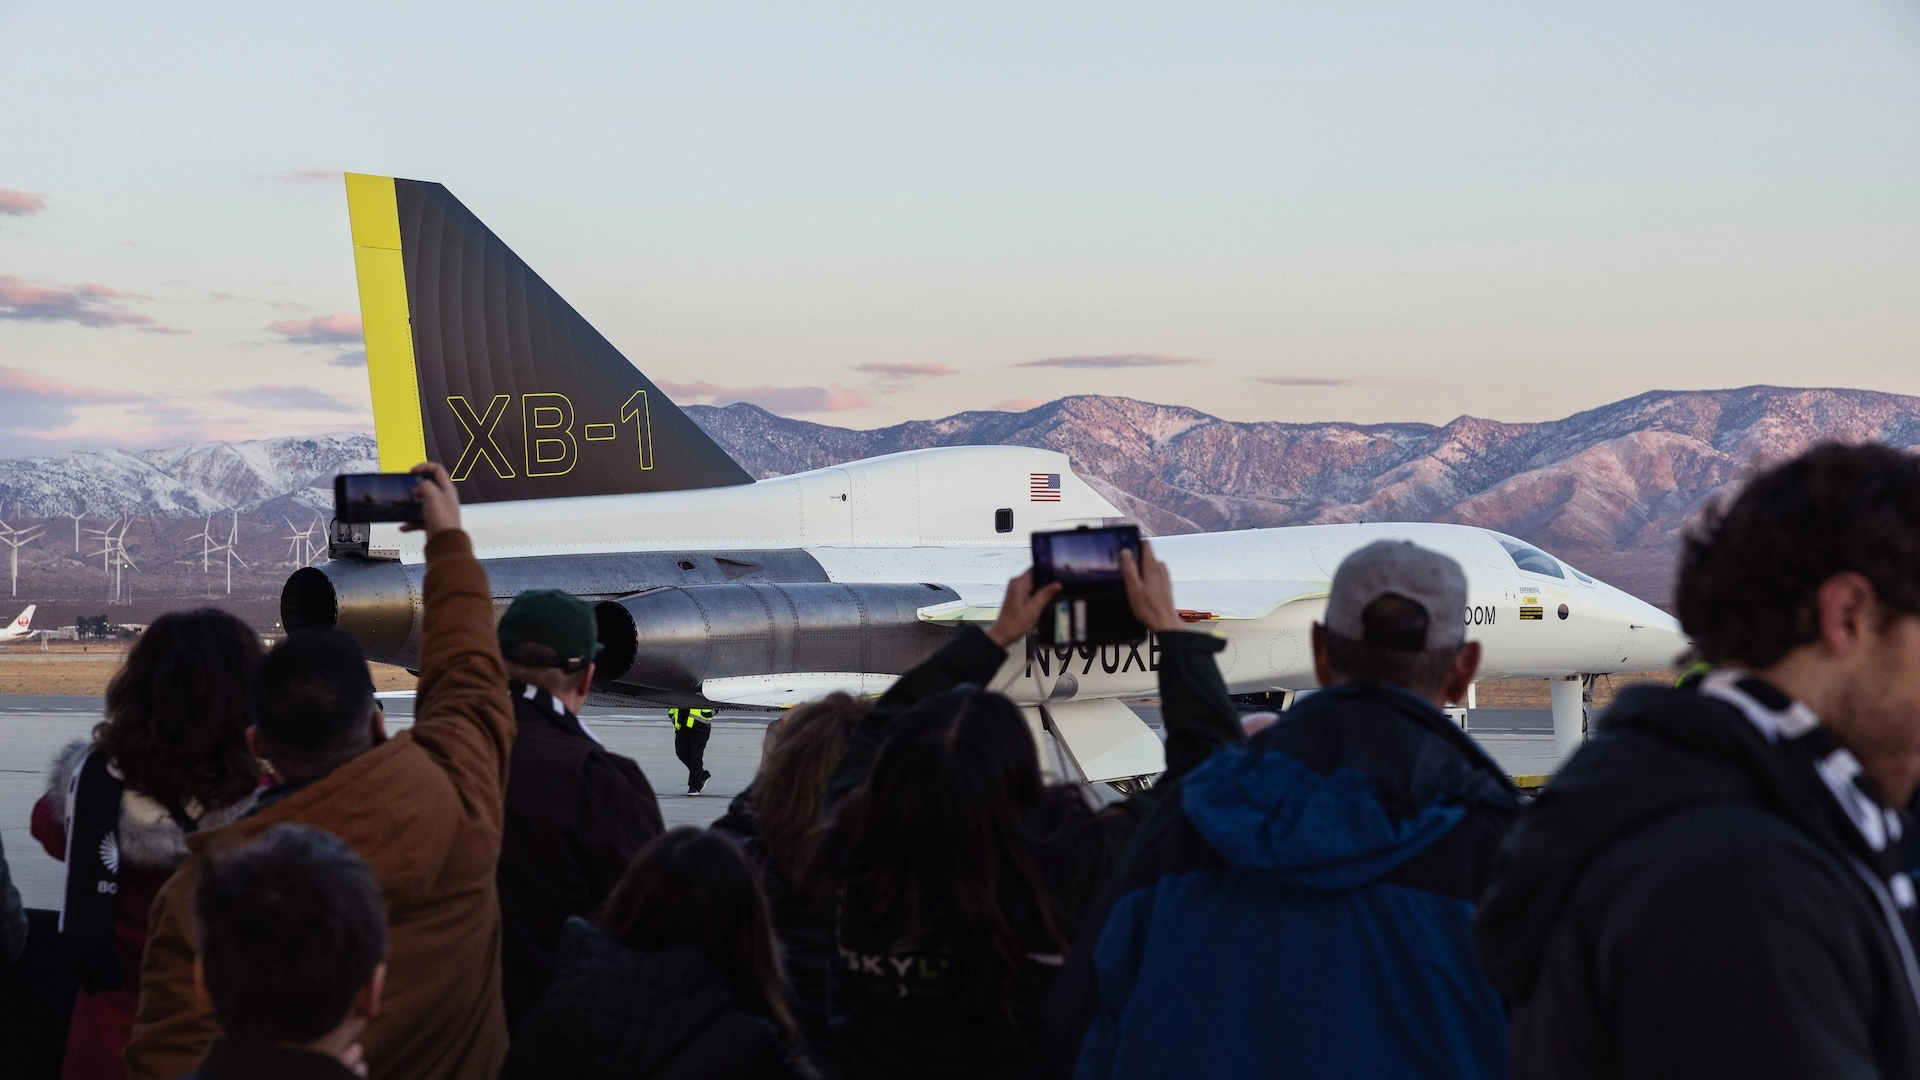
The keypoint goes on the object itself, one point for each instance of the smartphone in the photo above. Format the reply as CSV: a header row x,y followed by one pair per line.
x,y
1092,607
363,498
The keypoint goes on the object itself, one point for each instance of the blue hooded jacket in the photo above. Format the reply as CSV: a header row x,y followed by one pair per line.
x,y
1302,905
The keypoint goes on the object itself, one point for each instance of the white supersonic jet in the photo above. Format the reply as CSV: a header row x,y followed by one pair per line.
x,y
711,588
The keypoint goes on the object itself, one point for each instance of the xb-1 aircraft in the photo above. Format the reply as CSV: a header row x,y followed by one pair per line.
x,y
577,473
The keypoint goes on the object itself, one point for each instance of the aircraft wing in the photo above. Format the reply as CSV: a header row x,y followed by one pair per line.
x,y
1246,599
787,690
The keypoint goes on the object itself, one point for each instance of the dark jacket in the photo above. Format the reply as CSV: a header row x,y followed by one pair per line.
x,y
1318,883
616,1014
1684,901
13,918
901,1019
230,1061
576,816
803,923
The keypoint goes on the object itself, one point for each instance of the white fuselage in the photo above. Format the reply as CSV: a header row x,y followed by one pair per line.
x,y
929,516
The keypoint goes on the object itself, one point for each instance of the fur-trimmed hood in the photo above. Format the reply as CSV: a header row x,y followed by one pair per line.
x,y
148,837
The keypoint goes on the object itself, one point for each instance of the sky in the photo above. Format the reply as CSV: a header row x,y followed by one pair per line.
x,y
863,214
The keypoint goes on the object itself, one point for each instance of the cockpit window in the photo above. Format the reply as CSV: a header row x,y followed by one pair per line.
x,y
1584,579
1531,559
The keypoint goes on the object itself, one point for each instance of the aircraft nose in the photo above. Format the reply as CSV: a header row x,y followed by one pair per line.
x,y
1653,638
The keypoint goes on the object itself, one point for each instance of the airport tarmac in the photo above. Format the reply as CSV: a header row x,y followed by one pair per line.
x,y
34,728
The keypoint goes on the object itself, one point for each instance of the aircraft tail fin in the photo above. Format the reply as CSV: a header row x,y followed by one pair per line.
x,y
476,362
26,618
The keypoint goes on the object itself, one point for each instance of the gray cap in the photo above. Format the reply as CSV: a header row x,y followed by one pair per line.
x,y
1400,568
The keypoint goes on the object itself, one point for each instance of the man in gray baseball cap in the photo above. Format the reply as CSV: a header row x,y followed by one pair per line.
x,y
1394,618
1319,878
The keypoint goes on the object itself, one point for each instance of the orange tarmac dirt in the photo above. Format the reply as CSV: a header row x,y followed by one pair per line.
x,y
85,670
1533,693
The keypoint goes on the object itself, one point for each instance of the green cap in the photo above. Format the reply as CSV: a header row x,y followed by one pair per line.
x,y
560,621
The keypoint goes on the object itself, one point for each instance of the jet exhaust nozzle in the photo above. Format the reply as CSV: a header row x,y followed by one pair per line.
x,y
676,637
377,602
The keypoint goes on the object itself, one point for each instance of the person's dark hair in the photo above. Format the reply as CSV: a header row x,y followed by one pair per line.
x,y
291,927
177,710
948,842
805,745
1749,570
689,887
1389,620
312,698
540,665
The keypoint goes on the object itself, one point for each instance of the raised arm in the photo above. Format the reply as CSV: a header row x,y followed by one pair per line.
x,y
1194,704
463,716
971,657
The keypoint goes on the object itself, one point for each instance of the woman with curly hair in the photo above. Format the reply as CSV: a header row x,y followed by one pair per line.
x,y
170,758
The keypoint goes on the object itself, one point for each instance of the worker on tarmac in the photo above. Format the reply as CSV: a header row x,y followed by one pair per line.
x,y
691,727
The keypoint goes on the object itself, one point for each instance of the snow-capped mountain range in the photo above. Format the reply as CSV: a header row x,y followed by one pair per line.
x,y
183,481
1610,489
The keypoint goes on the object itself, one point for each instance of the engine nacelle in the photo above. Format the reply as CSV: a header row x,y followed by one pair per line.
x,y
675,638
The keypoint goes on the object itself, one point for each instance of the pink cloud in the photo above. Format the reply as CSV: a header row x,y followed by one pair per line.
x,y
21,203
784,400
305,398
35,406
339,328
1302,380
1114,360
907,371
86,304
1019,404
20,381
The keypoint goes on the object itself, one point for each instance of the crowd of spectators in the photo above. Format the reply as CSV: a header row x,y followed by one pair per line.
x,y
263,882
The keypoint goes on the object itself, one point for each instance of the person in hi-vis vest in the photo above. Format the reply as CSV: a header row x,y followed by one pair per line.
x,y
691,727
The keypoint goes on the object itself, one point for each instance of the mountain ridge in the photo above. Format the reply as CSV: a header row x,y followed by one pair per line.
x,y
1609,488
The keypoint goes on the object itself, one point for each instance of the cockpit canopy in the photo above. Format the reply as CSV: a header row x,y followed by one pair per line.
x,y
1534,561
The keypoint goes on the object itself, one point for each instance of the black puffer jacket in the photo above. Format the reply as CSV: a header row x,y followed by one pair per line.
x,y
901,1016
616,1014
801,920
1685,900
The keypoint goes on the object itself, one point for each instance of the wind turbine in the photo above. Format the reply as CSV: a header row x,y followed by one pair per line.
x,y
233,537
106,545
113,554
300,546
207,545
76,527
122,561
14,538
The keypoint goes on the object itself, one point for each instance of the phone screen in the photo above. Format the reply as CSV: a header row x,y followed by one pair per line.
x,y
360,498
1092,607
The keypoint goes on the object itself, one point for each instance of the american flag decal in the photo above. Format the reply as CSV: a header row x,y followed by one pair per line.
x,y
1043,487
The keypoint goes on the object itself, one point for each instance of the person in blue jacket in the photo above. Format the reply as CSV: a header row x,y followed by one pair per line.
x,y
1302,904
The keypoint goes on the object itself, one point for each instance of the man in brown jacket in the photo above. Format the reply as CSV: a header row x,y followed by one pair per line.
x,y
424,808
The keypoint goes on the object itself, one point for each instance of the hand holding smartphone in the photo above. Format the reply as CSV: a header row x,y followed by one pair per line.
x,y
1092,607
423,499
365,498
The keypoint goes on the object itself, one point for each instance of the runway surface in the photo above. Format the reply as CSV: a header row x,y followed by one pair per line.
x,y
33,729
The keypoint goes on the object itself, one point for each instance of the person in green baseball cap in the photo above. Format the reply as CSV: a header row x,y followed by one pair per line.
x,y
576,812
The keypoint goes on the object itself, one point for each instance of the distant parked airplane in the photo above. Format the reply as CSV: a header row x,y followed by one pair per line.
x,y
18,627
578,474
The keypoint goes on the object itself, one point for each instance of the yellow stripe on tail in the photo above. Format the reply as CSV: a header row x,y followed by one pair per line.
x,y
386,322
